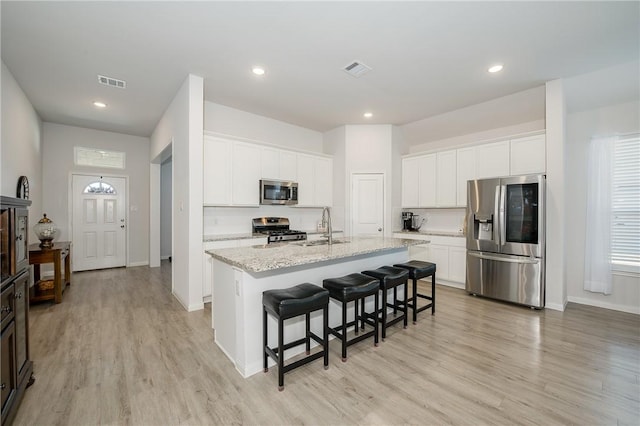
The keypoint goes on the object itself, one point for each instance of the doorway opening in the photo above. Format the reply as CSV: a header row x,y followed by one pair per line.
x,y
165,208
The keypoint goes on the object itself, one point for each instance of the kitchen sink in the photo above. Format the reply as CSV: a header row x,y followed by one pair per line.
x,y
317,243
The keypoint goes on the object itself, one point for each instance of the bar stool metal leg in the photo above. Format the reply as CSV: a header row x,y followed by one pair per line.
x,y
264,339
325,331
280,354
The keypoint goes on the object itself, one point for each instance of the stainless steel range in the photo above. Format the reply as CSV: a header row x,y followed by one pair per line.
x,y
276,229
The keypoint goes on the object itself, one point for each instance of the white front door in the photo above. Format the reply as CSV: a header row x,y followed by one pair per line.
x,y
367,204
98,222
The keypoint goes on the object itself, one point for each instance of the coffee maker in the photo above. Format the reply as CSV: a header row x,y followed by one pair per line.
x,y
407,221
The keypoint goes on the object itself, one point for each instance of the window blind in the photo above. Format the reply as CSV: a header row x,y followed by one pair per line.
x,y
625,200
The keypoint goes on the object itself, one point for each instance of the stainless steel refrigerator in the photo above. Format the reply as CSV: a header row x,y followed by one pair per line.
x,y
505,239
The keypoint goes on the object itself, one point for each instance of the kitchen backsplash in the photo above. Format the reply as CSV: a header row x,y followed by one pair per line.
x,y
450,220
237,220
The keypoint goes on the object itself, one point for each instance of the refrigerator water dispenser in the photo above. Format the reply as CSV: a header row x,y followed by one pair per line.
x,y
483,227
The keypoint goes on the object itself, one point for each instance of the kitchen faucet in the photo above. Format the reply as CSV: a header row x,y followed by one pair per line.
x,y
326,223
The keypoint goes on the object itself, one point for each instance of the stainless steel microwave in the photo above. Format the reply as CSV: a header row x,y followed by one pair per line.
x,y
278,192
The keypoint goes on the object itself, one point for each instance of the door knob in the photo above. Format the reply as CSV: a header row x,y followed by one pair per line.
x,y
379,229
122,226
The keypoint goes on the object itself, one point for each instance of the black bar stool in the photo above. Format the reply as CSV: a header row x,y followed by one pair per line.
x,y
390,278
354,288
288,303
417,270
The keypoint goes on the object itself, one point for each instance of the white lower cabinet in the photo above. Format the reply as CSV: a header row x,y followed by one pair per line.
x,y
207,260
457,264
448,253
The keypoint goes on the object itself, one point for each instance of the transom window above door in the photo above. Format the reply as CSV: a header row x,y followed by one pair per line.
x,y
99,188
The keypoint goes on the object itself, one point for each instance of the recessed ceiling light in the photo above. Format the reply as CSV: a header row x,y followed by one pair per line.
x,y
258,70
496,68
368,114
99,104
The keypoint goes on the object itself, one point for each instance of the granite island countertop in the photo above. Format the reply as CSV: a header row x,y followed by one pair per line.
x,y
289,254
432,232
249,235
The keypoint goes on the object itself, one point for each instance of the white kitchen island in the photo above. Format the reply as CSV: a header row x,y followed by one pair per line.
x,y
242,274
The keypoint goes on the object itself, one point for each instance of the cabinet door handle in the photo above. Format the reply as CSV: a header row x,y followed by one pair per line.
x,y
3,386
19,237
19,295
6,309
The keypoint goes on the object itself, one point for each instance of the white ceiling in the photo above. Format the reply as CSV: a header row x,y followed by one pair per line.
x,y
428,58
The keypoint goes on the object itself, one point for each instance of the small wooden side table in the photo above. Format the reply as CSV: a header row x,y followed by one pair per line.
x,y
60,251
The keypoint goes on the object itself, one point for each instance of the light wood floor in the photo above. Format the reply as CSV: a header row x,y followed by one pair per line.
x,y
120,350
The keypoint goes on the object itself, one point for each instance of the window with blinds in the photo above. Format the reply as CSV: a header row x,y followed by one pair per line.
x,y
625,200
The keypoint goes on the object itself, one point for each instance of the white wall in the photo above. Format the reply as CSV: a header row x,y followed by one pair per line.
x,y
335,145
241,124
478,137
582,126
181,127
59,141
21,146
165,209
369,149
522,107
398,147
556,213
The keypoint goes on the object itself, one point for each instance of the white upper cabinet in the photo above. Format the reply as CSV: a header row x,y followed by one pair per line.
x,y
232,171
410,178
270,163
315,181
289,166
492,160
427,181
246,171
306,180
217,171
440,179
528,155
465,170
324,181
279,164
446,179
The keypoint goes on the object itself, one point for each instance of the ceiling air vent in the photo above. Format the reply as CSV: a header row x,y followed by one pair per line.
x,y
112,82
357,69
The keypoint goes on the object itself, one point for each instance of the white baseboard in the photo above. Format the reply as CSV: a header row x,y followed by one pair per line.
x,y
612,306
206,299
165,257
134,264
450,284
187,307
196,307
556,306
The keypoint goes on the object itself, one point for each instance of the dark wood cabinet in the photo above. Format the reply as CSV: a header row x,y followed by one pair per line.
x,y
16,367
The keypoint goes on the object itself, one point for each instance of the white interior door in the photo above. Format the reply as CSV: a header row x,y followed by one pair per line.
x,y
98,222
367,204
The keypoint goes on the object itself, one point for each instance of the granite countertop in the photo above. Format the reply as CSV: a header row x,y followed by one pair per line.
x,y
225,237
432,232
284,255
247,235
